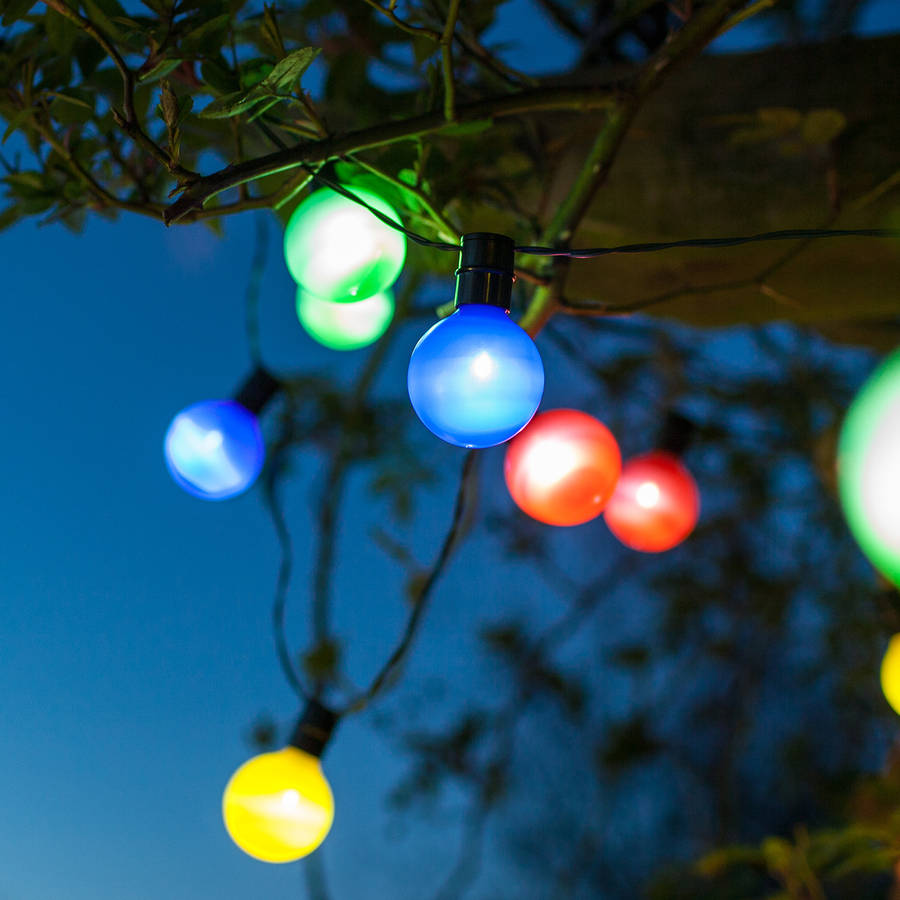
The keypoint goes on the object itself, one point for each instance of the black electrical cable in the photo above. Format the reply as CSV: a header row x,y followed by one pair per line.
x,y
791,234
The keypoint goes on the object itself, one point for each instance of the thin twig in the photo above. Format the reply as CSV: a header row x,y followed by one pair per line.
x,y
420,601
127,119
447,60
446,229
409,28
685,44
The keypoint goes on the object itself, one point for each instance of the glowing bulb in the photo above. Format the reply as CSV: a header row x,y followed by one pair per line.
x,y
337,250
475,378
278,806
562,467
869,468
345,326
214,449
890,673
655,505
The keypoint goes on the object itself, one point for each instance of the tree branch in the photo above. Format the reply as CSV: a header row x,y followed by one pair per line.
x,y
686,43
308,152
446,43
127,119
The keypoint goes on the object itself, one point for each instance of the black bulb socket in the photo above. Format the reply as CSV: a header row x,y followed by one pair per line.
x,y
676,434
314,728
257,390
486,270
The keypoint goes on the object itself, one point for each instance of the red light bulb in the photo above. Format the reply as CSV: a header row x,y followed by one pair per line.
x,y
562,467
656,503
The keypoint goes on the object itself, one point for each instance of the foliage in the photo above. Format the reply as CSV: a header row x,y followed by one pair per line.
x,y
736,656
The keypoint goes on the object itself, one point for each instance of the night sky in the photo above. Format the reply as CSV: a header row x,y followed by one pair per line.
x,y
135,644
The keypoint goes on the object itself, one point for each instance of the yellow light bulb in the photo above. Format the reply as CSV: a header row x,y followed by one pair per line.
x,y
890,673
278,806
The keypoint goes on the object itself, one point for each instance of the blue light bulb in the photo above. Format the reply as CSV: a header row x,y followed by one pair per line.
x,y
475,378
214,449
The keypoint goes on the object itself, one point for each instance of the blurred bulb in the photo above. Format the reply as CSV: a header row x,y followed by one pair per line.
x,y
868,465
562,467
214,449
475,378
338,251
655,505
890,673
345,326
278,807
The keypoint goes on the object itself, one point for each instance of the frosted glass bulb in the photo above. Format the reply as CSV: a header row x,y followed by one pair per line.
x,y
278,807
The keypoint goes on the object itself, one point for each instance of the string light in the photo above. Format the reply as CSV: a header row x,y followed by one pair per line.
x,y
561,469
345,326
214,449
868,465
278,807
476,378
890,673
655,505
336,249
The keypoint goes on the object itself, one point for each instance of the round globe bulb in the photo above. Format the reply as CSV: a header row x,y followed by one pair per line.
x,y
868,466
278,806
562,467
475,378
214,449
337,250
345,326
890,673
655,505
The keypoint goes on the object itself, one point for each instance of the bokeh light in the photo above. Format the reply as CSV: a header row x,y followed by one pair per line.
x,y
214,449
345,326
562,467
655,505
337,250
868,462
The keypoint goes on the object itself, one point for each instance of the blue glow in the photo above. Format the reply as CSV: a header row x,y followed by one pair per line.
x,y
214,449
476,378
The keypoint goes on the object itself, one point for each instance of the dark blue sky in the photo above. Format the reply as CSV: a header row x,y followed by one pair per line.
x,y
135,646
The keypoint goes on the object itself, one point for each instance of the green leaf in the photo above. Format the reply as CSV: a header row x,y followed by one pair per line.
x,y
209,33
13,10
161,69
15,123
321,661
289,70
233,104
61,33
218,76
822,126
10,216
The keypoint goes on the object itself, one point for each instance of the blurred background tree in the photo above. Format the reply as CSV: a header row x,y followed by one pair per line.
x,y
702,723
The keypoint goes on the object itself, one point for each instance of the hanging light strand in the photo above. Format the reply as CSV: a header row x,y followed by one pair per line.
x,y
790,234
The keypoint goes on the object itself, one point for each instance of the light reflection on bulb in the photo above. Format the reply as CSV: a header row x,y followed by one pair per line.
x,y
214,449
278,806
868,467
549,461
337,250
647,495
483,367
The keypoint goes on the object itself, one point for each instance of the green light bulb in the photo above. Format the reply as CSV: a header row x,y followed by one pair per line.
x,y
869,468
345,326
337,250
